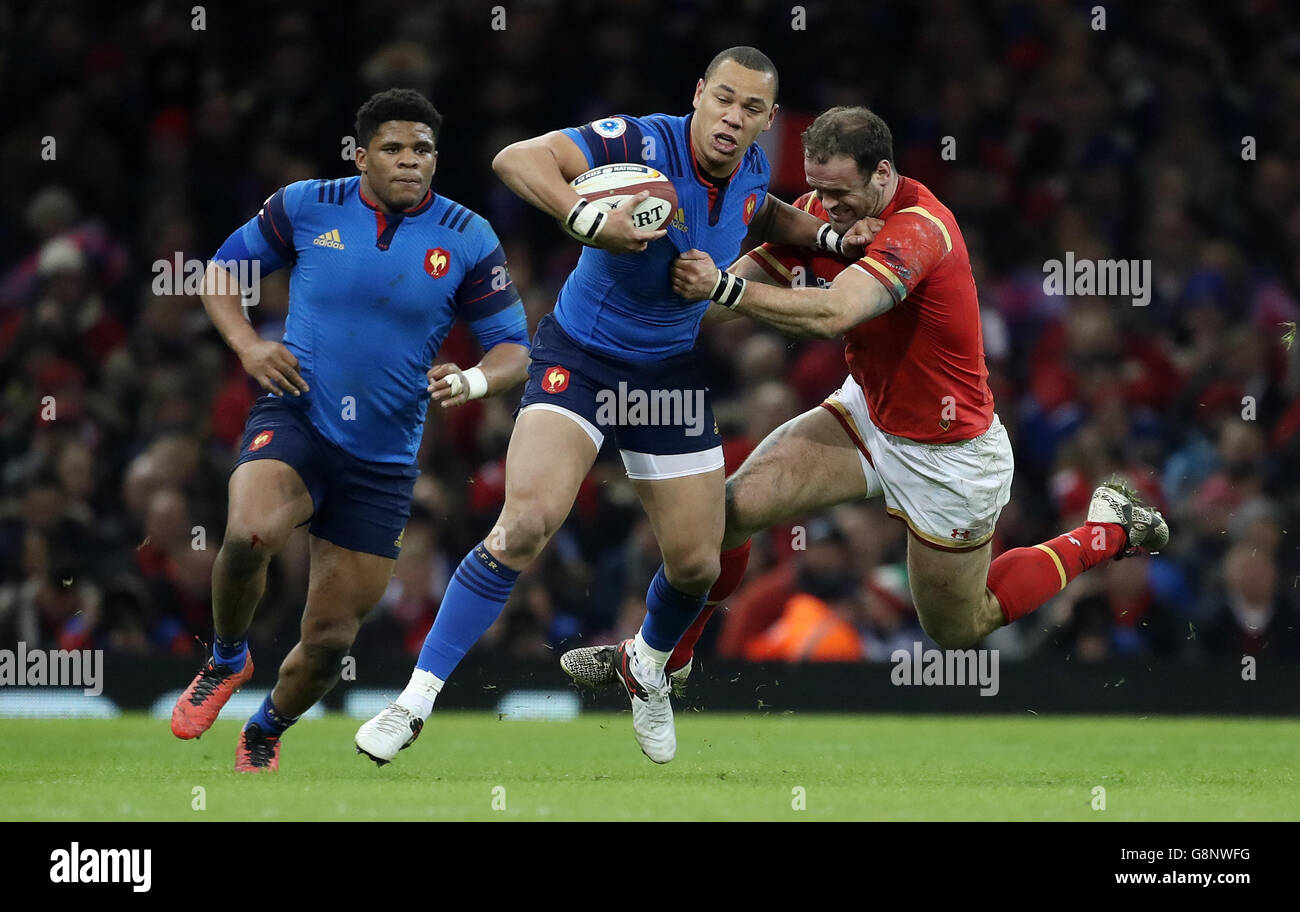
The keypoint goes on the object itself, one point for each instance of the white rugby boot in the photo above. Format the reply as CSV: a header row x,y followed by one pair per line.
x,y
1117,502
593,666
652,711
394,729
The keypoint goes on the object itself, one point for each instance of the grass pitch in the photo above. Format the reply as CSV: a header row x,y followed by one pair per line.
x,y
728,767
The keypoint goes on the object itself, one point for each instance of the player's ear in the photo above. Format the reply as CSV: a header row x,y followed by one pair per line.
x,y
359,159
435,162
771,115
699,93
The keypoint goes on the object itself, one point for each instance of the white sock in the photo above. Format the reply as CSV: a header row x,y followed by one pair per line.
x,y
650,658
420,692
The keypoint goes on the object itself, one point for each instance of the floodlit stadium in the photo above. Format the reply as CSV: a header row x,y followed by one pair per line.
x,y
888,412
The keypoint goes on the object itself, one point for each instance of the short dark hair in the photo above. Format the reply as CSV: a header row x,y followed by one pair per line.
x,y
854,132
751,59
395,104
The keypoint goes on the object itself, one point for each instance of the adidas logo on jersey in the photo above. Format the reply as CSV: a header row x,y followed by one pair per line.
x,y
329,239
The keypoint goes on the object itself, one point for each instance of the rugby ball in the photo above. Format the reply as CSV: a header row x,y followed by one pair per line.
x,y
610,185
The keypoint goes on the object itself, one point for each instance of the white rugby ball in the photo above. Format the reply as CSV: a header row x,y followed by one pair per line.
x,y
610,185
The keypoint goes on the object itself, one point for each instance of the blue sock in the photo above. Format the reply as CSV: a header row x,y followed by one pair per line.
x,y
669,612
231,653
475,596
270,719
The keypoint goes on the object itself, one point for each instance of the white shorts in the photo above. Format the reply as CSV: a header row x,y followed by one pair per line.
x,y
949,494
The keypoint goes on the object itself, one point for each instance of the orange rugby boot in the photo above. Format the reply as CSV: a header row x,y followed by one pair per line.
x,y
257,752
197,708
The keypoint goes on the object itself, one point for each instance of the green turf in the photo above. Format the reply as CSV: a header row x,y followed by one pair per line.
x,y
728,767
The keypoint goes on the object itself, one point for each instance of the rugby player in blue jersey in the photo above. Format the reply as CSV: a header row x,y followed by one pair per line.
x,y
381,267
618,328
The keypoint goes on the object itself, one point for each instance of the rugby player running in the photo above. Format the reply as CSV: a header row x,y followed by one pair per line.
x,y
619,325
381,267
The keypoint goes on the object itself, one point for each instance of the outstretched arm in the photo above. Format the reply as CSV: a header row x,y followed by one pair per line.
x,y
854,297
780,223
748,270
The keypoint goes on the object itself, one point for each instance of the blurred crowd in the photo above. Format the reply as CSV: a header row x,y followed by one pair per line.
x,y
134,137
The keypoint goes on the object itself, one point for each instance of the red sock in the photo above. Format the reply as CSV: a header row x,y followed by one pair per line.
x,y
734,563
685,647
1024,578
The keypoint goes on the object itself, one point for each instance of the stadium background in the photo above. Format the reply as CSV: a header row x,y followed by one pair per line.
x,y
1128,142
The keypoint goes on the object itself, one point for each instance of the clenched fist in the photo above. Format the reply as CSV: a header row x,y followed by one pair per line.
x,y
694,275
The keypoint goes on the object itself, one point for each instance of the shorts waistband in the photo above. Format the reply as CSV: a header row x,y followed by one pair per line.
x,y
952,444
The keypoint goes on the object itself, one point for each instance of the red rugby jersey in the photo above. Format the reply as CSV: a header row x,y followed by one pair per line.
x,y
921,364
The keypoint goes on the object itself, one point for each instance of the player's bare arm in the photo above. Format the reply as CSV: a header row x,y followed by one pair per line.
x,y
862,233
778,222
853,298
538,170
268,362
502,367
748,270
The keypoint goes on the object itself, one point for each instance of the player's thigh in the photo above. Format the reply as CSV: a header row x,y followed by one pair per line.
x,y
949,588
688,516
550,454
267,501
344,587
807,464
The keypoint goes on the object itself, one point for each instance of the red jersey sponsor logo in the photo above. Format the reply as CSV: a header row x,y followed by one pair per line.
x,y
261,440
556,379
436,262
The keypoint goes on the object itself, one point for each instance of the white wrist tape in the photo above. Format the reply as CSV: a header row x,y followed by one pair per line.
x,y
475,379
830,240
585,221
729,290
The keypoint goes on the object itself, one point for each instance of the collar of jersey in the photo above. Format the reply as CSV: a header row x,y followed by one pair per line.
x,y
695,165
893,206
421,206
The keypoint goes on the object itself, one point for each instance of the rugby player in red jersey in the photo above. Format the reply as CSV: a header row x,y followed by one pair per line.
x,y
914,421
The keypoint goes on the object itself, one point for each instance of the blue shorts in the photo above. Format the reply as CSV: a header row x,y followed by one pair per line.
x,y
660,412
359,505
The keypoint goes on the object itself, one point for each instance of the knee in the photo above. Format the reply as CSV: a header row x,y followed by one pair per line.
x,y
245,551
325,644
522,532
694,571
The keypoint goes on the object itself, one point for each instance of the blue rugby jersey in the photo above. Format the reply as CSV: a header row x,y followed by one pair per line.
x,y
371,298
624,305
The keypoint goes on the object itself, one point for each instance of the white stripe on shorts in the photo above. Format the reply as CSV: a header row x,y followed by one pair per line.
x,y
649,467
597,437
